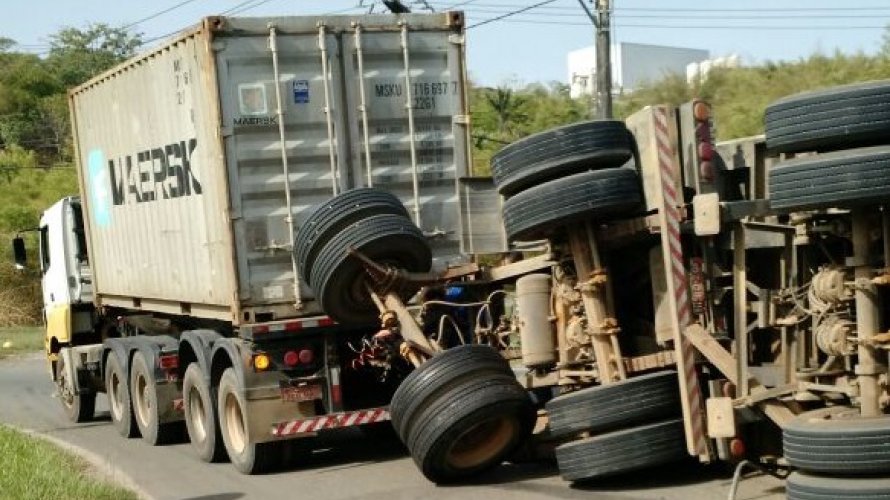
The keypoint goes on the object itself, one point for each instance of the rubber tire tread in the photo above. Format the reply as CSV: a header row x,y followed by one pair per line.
x,y
446,418
560,151
836,118
384,238
598,194
647,398
436,374
126,426
83,408
212,449
154,433
845,447
258,458
327,219
622,451
802,486
841,179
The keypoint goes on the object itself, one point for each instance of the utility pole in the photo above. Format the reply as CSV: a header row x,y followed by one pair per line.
x,y
603,60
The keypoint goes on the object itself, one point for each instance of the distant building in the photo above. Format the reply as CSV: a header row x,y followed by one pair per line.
x,y
699,71
632,64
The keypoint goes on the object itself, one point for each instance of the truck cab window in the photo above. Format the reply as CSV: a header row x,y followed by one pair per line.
x,y
80,235
44,248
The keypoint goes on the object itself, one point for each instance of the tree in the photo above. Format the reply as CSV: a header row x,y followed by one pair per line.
x,y
79,54
507,108
6,44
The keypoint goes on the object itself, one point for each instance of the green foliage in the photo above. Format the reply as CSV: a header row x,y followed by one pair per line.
x,y
739,96
31,467
79,54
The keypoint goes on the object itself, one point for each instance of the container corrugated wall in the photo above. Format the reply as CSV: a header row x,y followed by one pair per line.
x,y
199,251
154,188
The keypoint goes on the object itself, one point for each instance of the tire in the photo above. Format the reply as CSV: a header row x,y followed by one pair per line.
x,y
247,457
561,151
144,397
607,407
836,118
599,194
802,486
117,385
839,446
471,428
339,279
200,416
622,451
327,219
78,408
438,375
857,177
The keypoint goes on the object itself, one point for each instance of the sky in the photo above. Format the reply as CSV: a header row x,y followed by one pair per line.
x,y
527,47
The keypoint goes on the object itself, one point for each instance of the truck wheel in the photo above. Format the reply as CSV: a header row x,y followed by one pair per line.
x,y
437,375
470,428
329,218
637,400
144,395
802,486
339,279
118,388
622,451
247,457
600,194
79,408
842,179
838,445
561,151
836,118
200,416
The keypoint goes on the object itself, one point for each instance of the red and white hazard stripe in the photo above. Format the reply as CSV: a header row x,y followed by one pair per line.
x,y
671,201
333,421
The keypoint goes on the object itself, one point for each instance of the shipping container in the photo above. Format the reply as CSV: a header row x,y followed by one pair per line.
x,y
198,160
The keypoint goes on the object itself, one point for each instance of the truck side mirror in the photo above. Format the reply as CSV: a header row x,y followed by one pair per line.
x,y
18,251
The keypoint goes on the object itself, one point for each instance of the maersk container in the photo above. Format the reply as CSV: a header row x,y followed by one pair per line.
x,y
183,152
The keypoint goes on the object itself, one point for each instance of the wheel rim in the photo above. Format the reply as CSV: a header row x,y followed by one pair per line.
x,y
115,396
482,442
142,405
66,396
235,423
197,413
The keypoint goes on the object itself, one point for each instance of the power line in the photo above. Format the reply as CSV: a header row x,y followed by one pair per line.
x,y
519,11
686,26
156,14
704,17
693,10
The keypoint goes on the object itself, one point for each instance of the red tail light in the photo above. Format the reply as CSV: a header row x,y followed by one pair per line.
x,y
291,358
306,356
168,361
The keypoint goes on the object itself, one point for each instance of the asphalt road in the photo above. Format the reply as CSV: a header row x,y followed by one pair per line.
x,y
343,465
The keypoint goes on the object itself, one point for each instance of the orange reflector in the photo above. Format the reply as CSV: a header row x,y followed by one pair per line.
x,y
261,362
701,111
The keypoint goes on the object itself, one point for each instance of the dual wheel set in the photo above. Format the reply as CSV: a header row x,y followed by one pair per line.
x,y
133,403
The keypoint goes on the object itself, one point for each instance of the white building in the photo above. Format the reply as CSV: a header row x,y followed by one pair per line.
x,y
699,71
632,64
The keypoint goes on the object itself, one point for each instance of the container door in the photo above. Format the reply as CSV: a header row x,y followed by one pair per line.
x,y
256,149
409,136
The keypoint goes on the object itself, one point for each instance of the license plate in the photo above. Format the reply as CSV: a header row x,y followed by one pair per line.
x,y
300,393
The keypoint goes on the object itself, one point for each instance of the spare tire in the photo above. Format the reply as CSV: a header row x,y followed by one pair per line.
x,y
642,399
329,218
841,446
561,151
622,451
802,486
841,179
339,279
600,194
825,120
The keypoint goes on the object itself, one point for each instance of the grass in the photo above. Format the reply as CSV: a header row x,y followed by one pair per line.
x,y
33,468
20,339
